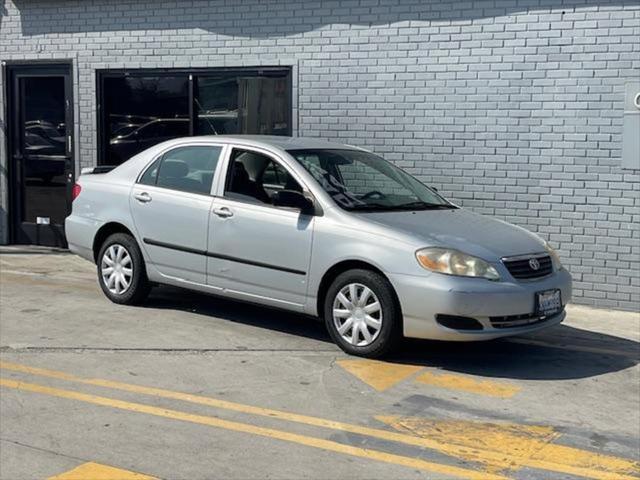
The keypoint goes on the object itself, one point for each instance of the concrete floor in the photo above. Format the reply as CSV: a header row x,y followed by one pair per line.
x,y
195,387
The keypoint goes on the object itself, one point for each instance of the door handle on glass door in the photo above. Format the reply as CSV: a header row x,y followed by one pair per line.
x,y
223,212
143,197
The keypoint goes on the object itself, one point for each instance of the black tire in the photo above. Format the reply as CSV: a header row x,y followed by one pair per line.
x,y
139,285
390,332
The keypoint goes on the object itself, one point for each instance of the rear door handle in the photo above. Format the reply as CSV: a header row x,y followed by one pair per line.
x,y
223,212
143,197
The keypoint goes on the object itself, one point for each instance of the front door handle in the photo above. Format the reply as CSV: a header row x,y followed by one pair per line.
x,y
143,197
223,212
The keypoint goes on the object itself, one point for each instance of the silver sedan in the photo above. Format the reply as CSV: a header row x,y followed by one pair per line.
x,y
319,228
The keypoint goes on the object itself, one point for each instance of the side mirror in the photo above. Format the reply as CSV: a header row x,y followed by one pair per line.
x,y
294,199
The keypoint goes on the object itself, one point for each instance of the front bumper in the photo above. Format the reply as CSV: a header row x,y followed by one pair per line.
x,y
424,297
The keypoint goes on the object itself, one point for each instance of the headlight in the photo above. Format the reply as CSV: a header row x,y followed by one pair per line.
x,y
555,259
453,262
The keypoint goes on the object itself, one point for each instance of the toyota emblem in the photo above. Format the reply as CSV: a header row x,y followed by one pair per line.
x,y
534,264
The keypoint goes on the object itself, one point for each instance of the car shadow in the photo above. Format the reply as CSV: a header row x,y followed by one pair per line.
x,y
173,298
558,353
562,352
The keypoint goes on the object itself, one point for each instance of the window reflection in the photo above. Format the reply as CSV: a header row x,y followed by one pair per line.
x,y
216,102
264,104
44,136
44,127
242,104
144,111
140,111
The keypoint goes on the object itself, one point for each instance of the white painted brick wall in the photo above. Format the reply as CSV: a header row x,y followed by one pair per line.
x,y
512,108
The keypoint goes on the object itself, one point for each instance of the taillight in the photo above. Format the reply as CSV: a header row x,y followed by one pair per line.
x,y
75,191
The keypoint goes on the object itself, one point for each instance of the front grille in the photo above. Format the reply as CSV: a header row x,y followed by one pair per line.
x,y
510,321
521,268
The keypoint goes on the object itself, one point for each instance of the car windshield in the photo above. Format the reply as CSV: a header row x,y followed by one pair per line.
x,y
358,180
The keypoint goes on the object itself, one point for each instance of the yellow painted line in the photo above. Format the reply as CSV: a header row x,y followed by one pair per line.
x,y
514,440
598,466
97,471
467,384
376,374
578,348
521,446
383,375
314,442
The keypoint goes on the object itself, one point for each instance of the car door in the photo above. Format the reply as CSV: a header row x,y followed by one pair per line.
x,y
170,205
256,250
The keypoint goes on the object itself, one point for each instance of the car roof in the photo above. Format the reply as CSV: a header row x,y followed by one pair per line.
x,y
283,143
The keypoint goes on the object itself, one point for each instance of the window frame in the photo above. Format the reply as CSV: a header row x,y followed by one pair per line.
x,y
160,158
285,71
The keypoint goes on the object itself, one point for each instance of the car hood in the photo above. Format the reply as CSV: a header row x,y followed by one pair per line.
x,y
475,234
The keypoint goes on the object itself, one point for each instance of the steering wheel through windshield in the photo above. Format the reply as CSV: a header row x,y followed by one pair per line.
x,y
374,194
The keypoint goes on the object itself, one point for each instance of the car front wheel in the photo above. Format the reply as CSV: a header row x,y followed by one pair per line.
x,y
362,314
121,270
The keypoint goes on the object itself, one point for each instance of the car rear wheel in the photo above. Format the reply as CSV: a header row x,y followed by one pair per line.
x,y
121,270
362,314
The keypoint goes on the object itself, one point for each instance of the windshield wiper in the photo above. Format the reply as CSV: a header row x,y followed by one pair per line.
x,y
370,206
420,205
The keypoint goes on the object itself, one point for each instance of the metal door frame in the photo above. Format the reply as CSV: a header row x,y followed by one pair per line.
x,y
13,111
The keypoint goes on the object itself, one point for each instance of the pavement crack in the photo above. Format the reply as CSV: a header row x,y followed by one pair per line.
x,y
44,450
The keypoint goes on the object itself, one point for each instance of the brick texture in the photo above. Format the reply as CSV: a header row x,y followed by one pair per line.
x,y
512,108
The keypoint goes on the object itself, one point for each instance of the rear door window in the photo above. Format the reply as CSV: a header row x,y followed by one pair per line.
x,y
186,169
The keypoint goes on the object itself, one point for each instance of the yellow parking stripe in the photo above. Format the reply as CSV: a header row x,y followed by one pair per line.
x,y
598,467
522,445
383,375
467,384
379,375
255,430
97,471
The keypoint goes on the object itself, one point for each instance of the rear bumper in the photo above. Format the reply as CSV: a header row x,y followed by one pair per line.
x,y
424,297
80,232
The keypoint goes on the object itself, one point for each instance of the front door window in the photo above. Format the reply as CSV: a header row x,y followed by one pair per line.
x,y
257,178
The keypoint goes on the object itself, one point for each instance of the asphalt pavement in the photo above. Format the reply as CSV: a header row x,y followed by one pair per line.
x,y
189,386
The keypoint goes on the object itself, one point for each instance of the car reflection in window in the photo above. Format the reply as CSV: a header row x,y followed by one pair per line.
x,y
131,139
44,138
218,122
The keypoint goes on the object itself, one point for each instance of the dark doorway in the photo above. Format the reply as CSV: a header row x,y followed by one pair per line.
x,y
40,120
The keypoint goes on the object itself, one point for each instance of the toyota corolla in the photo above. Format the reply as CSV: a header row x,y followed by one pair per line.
x,y
319,228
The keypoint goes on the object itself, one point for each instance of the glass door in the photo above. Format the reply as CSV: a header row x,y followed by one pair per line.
x,y
41,126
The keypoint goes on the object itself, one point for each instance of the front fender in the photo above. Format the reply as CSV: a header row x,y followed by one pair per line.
x,y
334,244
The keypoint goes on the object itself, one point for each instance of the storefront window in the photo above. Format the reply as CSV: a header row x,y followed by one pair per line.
x,y
216,102
252,105
140,110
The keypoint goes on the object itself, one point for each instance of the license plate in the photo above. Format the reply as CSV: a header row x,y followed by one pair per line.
x,y
548,302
